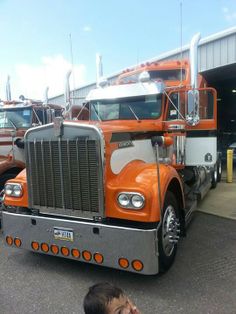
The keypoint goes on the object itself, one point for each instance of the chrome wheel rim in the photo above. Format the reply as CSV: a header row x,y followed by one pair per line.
x,y
170,230
220,168
215,174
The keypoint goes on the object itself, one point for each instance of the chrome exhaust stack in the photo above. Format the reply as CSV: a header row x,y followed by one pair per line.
x,y
67,94
8,89
192,116
194,60
99,69
45,101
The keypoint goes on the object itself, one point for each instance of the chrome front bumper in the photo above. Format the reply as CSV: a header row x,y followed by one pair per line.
x,y
112,242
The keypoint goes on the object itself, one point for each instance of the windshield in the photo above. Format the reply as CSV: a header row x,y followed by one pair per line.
x,y
15,118
132,108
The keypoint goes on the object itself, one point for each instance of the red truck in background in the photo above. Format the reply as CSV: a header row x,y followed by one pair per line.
x,y
16,117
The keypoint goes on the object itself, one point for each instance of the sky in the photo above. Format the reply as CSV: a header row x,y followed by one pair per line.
x,y
38,36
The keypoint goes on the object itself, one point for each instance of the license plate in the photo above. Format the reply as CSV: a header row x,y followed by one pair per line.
x,y
63,234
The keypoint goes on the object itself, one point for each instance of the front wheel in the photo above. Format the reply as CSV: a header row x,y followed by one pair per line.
x,y
168,232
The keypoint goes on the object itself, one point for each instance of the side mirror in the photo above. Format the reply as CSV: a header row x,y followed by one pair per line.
x,y
192,116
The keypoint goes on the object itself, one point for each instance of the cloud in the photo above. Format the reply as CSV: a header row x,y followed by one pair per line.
x,y
87,28
32,80
229,15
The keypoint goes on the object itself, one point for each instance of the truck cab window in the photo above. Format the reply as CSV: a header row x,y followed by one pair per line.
x,y
39,116
16,118
176,106
178,102
206,104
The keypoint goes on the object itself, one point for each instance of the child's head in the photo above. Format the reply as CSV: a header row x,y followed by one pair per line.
x,y
104,298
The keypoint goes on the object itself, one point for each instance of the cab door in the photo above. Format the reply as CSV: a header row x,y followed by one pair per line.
x,y
201,130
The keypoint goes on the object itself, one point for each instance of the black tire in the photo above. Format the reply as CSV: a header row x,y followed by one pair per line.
x,y
167,250
214,177
219,169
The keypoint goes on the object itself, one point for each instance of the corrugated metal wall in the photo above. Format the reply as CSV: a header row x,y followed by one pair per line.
x,y
218,53
215,51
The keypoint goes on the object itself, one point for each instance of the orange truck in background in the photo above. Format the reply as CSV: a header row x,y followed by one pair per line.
x,y
119,188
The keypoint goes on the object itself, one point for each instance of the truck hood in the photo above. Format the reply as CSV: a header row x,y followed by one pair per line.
x,y
120,126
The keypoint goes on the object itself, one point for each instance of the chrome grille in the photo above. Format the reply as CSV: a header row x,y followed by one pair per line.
x,y
64,176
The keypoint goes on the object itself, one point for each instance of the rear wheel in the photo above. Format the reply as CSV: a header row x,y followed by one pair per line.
x,y
219,170
214,177
168,232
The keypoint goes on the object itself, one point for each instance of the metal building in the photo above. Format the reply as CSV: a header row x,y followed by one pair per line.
x,y
217,63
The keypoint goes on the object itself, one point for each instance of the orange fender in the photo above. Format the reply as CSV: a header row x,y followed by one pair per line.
x,y
140,177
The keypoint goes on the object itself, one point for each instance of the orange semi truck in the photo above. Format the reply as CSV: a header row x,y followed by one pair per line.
x,y
118,189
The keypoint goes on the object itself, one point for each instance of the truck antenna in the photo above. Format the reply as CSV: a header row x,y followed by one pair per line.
x,y
181,40
137,57
72,67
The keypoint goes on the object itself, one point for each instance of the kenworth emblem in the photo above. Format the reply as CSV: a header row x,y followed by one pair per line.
x,y
125,144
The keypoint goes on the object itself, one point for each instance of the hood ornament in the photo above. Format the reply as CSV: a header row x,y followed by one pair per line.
x,y
58,123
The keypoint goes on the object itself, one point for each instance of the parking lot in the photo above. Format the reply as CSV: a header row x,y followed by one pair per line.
x,y
202,279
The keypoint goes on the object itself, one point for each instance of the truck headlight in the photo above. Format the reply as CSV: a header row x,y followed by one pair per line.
x,y
123,199
137,201
131,200
13,189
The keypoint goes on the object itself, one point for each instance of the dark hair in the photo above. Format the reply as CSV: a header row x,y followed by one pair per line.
x,y
98,296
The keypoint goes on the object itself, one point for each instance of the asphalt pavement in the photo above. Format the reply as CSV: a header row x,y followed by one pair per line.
x,y
202,279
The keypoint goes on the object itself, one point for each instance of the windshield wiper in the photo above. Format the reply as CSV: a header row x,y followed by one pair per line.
x,y
96,113
84,105
136,117
12,123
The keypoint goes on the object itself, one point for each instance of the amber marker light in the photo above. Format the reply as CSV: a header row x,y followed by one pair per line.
x,y
65,251
44,247
75,253
98,258
17,242
137,265
123,262
87,256
9,240
54,249
35,246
